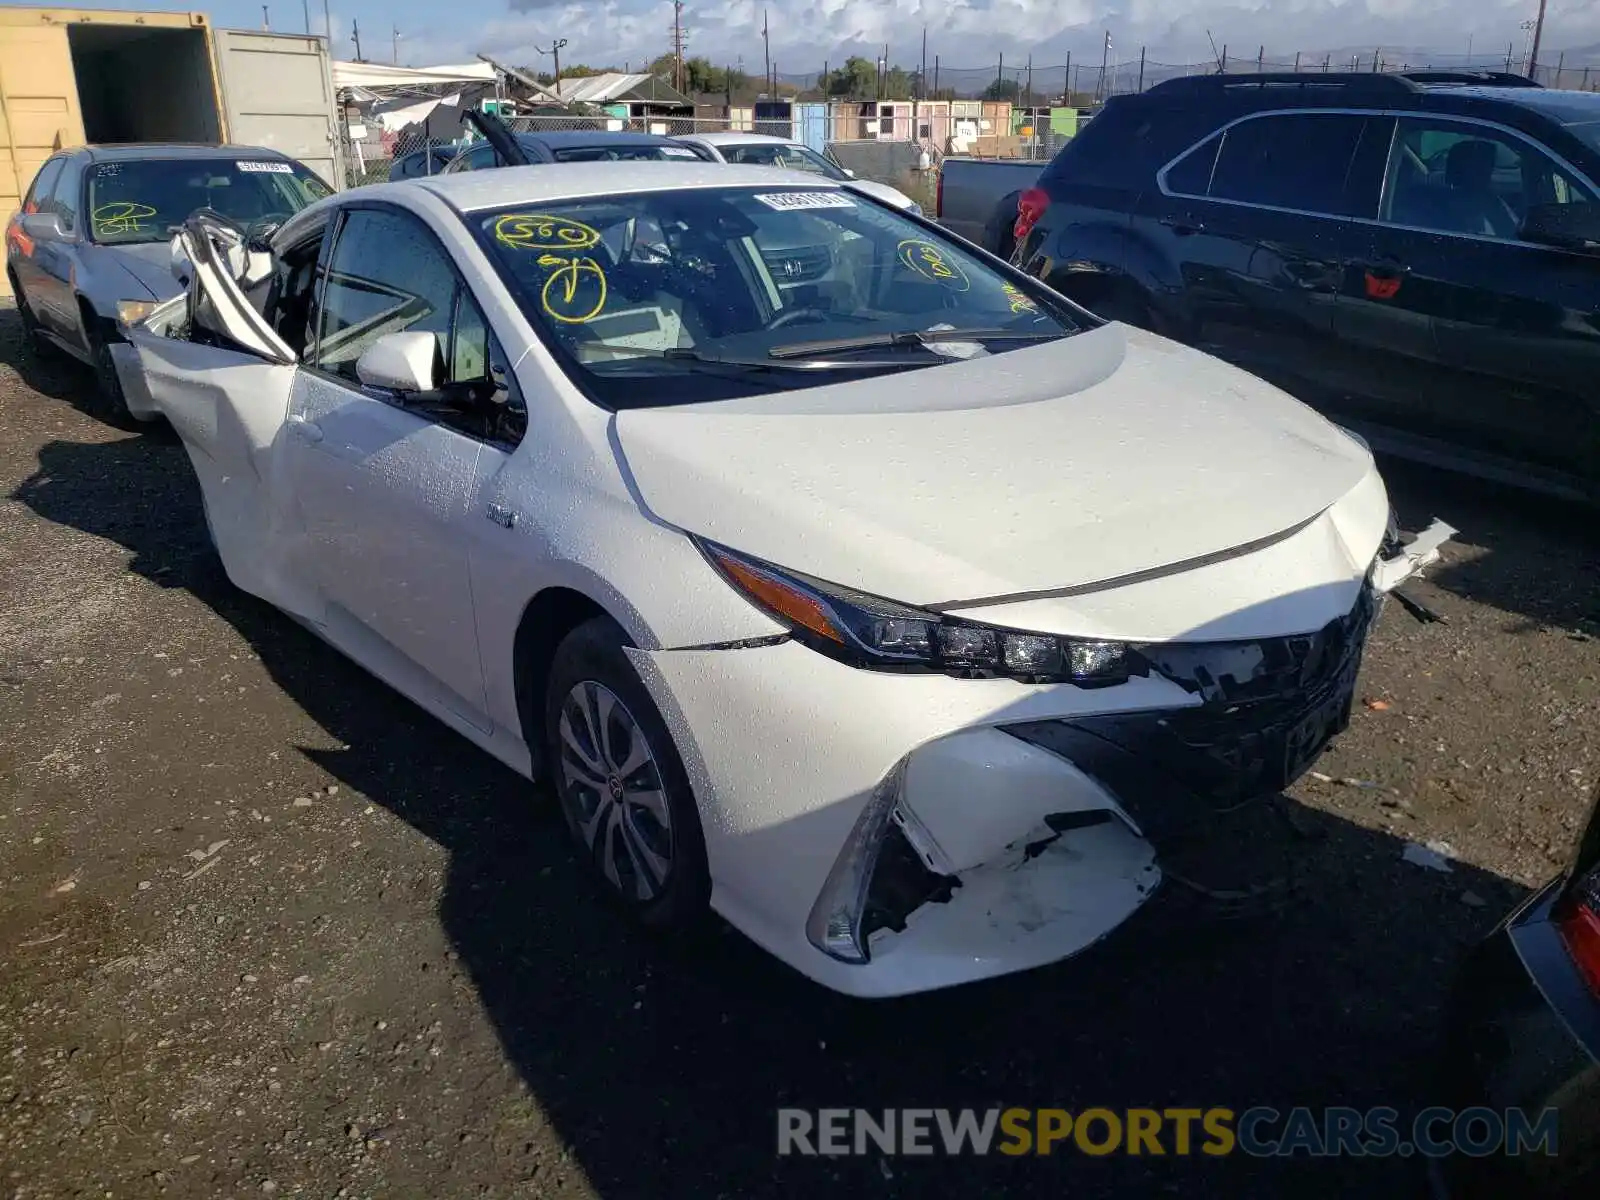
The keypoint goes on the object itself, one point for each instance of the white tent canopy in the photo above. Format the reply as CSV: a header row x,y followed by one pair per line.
x,y
380,75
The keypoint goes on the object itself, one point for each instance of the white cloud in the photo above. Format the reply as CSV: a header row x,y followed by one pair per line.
x,y
974,33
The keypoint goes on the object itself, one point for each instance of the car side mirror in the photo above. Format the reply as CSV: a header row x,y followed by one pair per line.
x,y
43,227
406,363
1567,226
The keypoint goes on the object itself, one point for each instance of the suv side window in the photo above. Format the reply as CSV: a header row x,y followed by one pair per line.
x,y
481,157
39,194
1456,177
1288,160
388,274
1191,174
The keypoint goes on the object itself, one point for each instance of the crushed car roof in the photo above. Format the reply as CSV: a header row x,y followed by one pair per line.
x,y
471,191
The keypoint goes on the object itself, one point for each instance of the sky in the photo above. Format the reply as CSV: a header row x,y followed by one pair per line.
x,y
964,33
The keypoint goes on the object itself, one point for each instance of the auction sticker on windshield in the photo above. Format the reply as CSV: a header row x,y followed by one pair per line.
x,y
273,168
790,201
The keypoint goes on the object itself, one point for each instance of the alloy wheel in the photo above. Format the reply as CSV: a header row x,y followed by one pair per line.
x,y
613,791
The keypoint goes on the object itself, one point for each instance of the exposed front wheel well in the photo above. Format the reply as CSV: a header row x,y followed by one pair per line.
x,y
548,618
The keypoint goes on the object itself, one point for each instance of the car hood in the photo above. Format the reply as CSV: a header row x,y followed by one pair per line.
x,y
150,264
1069,464
880,191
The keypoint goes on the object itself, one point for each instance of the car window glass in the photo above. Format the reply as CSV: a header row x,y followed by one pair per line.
x,y
290,303
631,288
1289,160
480,158
1452,177
793,158
484,401
40,194
64,195
387,275
141,199
1191,174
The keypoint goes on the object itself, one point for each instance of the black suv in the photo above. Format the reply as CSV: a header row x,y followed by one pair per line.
x,y
1418,255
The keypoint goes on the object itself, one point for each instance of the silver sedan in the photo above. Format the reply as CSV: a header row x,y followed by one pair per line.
x,y
90,246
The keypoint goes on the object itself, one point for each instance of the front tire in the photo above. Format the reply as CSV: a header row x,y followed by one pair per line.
x,y
622,787
112,402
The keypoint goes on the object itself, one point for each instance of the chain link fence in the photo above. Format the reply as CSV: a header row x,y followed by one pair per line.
x,y
1087,80
1074,84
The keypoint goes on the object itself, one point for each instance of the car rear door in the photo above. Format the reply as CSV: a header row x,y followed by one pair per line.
x,y
1472,334
1253,221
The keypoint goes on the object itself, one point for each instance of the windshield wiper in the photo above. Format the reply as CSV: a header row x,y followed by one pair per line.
x,y
904,337
695,358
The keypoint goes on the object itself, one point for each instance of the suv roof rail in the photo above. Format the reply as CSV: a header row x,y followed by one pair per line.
x,y
1480,78
1371,83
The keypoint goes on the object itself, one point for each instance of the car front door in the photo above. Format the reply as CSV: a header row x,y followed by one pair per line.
x,y
225,390
1254,220
386,485
65,202
1507,331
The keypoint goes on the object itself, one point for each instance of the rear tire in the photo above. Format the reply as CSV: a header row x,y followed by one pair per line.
x,y
622,787
36,343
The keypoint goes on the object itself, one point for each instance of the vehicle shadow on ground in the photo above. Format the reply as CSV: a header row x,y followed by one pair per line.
x,y
59,376
1519,552
662,1064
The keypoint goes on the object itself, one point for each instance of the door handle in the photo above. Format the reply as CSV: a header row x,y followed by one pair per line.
x,y
307,431
1184,226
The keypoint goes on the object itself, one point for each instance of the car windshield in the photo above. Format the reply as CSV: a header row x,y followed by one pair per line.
x,y
624,152
778,154
674,297
140,200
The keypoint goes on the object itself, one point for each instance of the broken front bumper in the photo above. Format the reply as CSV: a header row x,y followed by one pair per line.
x,y
891,833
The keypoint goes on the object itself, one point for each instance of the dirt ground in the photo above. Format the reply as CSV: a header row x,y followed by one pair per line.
x,y
267,929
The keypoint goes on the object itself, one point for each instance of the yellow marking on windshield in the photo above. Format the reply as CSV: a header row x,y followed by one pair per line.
x,y
1019,300
121,216
928,261
543,231
582,291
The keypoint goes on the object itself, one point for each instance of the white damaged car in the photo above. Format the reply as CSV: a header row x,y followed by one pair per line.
x,y
836,576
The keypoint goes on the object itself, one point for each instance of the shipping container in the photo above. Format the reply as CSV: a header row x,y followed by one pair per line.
x,y
75,76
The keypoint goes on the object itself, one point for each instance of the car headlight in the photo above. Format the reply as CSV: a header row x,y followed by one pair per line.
x,y
876,634
131,312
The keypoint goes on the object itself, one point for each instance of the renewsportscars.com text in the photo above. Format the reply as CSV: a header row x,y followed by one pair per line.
x,y
1214,1132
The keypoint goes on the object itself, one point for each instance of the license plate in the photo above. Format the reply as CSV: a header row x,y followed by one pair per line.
x,y
1312,733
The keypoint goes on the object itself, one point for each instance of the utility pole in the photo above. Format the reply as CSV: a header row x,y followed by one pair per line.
x,y
265,24
1538,34
922,71
555,52
327,26
306,5
394,50
677,44
1105,58
355,36
766,49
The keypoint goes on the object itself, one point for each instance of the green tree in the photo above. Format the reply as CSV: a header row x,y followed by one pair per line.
x,y
1003,89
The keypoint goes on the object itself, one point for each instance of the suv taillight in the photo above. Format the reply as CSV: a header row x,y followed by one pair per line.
x,y
1030,207
1578,920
